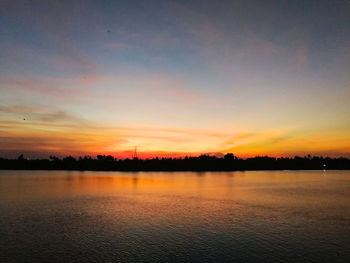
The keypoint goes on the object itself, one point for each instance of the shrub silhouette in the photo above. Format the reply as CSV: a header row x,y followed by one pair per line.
x,y
229,162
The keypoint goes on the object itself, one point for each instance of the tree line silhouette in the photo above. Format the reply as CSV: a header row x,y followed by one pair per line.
x,y
229,162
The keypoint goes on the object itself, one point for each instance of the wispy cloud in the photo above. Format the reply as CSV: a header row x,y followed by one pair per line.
x,y
54,21
59,116
19,109
56,87
34,85
61,133
41,113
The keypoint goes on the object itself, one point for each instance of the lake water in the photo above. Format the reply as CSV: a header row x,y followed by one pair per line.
x,y
265,216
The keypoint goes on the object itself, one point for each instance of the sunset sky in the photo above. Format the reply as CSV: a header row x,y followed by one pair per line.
x,y
174,78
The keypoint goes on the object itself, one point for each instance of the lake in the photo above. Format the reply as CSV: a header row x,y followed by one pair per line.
x,y
255,216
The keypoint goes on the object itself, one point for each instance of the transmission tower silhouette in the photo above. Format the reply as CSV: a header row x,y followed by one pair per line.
x,y
134,155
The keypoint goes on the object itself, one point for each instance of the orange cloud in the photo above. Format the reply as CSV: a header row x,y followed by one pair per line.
x,y
62,133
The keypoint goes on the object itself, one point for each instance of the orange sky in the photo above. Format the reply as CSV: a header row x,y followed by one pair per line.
x,y
174,79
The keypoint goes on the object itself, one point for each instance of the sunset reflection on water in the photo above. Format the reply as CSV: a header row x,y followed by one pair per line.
x,y
157,216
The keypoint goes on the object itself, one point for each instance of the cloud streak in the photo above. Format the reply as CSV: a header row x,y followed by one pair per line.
x,y
174,77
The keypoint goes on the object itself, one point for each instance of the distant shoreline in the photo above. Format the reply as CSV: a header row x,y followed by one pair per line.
x,y
173,171
203,163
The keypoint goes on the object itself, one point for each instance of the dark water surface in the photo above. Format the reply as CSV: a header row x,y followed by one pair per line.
x,y
278,216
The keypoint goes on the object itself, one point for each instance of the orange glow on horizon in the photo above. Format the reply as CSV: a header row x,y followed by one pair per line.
x,y
38,139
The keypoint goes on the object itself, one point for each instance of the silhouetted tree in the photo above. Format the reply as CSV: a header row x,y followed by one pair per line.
x,y
229,156
200,163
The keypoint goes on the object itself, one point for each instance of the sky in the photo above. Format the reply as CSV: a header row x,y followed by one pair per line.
x,y
174,78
